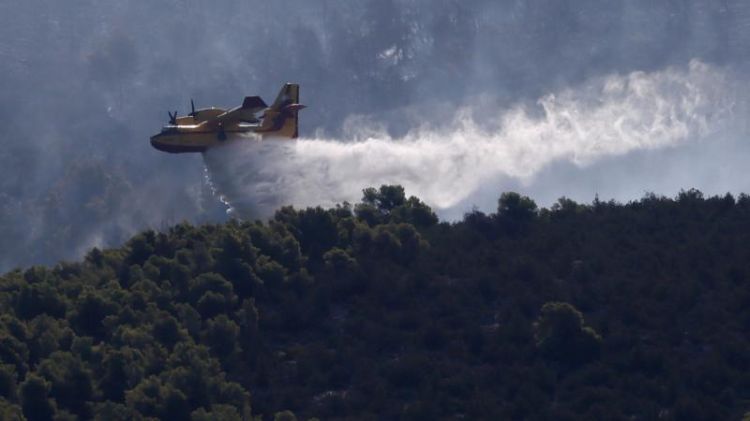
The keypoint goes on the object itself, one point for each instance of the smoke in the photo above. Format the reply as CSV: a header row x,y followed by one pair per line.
x,y
606,117
451,85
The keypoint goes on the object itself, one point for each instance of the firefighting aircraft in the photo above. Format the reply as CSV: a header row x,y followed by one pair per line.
x,y
205,128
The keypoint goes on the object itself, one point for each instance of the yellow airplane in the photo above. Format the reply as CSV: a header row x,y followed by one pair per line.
x,y
205,128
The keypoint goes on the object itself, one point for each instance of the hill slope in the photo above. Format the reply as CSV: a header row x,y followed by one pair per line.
x,y
377,311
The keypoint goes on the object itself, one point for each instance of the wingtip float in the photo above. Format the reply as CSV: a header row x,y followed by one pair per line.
x,y
209,127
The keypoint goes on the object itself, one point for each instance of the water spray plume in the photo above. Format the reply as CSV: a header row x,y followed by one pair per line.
x,y
606,117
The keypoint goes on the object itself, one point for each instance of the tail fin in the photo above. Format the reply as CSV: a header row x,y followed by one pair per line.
x,y
289,94
281,118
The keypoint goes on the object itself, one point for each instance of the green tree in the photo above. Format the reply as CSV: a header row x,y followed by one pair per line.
x,y
35,400
8,381
71,382
112,411
154,398
47,335
385,199
271,273
39,298
515,212
167,330
122,369
10,411
91,309
141,248
415,212
212,294
221,335
377,204
248,316
285,416
315,228
235,261
216,412
14,352
562,335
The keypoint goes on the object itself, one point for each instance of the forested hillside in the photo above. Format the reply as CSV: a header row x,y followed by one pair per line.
x,y
377,310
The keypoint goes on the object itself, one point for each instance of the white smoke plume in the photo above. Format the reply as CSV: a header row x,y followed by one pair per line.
x,y
606,117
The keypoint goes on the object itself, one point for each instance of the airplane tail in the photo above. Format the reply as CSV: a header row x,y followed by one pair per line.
x,y
281,118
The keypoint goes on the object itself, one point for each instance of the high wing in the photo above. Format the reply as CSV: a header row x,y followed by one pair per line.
x,y
242,114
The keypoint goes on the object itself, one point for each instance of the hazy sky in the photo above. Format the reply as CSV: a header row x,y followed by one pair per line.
x,y
457,100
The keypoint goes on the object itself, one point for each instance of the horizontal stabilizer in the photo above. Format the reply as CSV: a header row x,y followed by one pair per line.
x,y
253,102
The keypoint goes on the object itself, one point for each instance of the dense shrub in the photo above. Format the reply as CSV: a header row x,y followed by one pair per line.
x,y
377,311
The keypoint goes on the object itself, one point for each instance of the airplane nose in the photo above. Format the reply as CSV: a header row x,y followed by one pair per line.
x,y
155,142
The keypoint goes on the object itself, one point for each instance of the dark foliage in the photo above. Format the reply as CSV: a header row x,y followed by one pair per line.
x,y
378,311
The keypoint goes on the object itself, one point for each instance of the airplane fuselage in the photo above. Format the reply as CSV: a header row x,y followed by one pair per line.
x,y
211,127
196,138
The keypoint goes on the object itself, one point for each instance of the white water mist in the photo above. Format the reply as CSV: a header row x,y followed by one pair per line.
x,y
609,116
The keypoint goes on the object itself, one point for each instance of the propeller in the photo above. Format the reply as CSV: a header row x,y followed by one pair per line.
x,y
192,107
172,117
